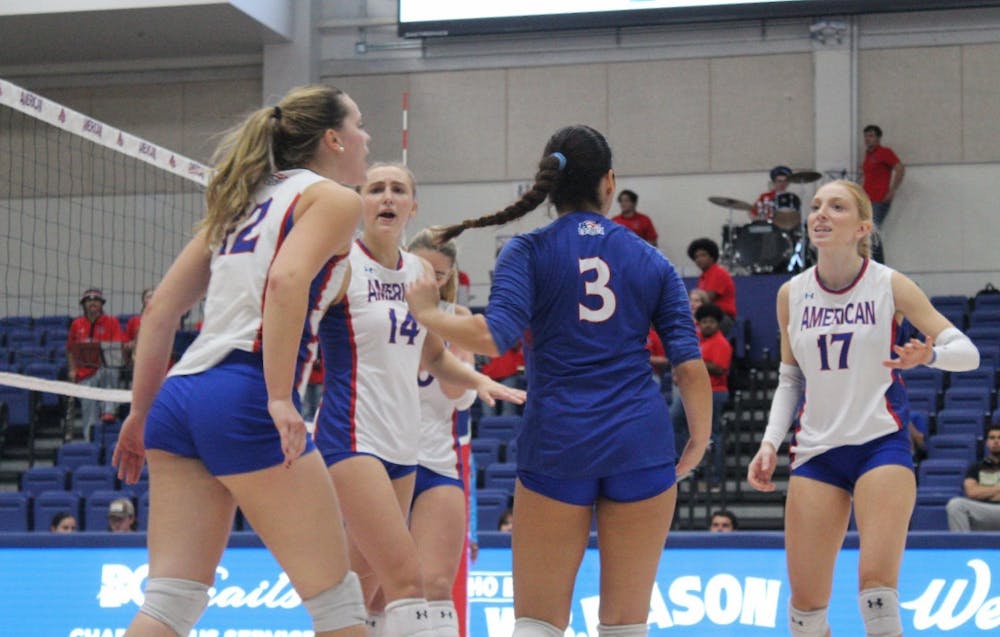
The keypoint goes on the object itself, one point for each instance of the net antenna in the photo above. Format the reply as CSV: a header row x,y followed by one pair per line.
x,y
82,205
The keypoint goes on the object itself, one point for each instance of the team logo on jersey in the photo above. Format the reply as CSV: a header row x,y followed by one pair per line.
x,y
589,229
369,269
809,295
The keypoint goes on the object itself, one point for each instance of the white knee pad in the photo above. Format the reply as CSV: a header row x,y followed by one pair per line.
x,y
337,607
376,624
178,603
880,612
623,630
528,627
444,618
807,623
408,617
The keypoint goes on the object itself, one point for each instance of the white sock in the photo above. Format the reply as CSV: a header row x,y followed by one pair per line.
x,y
444,618
408,617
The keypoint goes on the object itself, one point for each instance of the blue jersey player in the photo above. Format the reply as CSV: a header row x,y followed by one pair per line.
x,y
582,292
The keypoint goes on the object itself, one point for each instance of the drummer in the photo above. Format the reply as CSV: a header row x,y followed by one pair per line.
x,y
777,198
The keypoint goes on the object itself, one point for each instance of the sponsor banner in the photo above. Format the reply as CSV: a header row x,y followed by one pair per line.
x,y
67,119
95,592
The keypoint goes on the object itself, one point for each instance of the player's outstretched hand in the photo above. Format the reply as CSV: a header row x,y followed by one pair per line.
x,y
911,354
130,452
291,427
762,468
491,391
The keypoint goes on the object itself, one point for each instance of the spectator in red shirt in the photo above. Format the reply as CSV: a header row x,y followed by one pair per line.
x,y
714,279
507,369
882,173
464,292
85,360
633,219
776,198
718,356
132,328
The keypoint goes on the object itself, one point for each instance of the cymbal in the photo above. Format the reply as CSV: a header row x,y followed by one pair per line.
x,y
804,177
728,202
787,218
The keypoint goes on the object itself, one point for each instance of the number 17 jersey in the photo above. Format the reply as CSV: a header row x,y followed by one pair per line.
x,y
839,339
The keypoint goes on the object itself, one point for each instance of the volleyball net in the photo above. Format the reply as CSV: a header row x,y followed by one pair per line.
x,y
83,205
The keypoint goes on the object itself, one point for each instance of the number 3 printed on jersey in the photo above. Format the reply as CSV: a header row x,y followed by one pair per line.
x,y
599,288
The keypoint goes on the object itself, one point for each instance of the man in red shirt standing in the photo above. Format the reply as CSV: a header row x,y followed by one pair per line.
x,y
633,219
714,279
85,360
882,174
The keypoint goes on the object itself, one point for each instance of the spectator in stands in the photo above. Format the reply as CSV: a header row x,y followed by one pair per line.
x,y
63,522
723,521
633,219
506,523
507,369
714,279
882,174
718,356
121,516
837,321
85,360
697,297
132,327
979,509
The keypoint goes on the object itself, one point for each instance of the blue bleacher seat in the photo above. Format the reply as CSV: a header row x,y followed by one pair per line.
x,y
30,354
76,454
968,398
47,503
486,451
89,478
950,301
500,475
142,511
19,404
510,451
17,322
929,517
48,371
985,317
962,446
38,479
490,505
14,508
140,487
16,339
500,427
923,377
182,340
923,398
984,301
983,378
54,321
958,318
944,473
960,421
95,510
56,338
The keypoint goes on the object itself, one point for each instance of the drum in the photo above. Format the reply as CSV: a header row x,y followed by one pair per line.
x,y
787,209
761,247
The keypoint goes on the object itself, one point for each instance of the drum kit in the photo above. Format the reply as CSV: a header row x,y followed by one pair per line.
x,y
777,244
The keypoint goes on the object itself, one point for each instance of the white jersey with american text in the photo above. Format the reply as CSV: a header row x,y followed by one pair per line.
x,y
439,439
840,339
371,353
240,264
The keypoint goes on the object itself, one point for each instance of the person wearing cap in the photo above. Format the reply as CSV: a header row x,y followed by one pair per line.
x,y
121,516
763,209
83,357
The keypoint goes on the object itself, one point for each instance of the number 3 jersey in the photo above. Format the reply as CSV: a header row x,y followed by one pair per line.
x,y
371,355
583,291
234,304
839,339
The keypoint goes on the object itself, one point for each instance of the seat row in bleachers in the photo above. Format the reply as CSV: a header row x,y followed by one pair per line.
x,y
21,511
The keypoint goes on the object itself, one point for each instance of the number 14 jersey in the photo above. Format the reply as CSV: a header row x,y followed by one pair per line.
x,y
371,355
